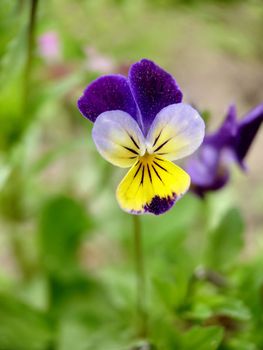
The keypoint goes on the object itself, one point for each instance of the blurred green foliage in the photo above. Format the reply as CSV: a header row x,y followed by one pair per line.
x,y
66,251
23,327
62,225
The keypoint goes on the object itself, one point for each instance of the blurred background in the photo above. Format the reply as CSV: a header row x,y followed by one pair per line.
x,y
66,249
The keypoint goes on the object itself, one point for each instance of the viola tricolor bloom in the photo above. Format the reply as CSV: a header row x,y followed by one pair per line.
x,y
209,167
140,122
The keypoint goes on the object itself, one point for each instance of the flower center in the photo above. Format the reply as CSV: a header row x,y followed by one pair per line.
x,y
147,158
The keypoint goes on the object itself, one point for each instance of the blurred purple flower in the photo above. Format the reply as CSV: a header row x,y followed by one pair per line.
x,y
49,46
209,166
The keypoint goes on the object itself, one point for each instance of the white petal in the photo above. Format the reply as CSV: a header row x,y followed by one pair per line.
x,y
176,132
118,138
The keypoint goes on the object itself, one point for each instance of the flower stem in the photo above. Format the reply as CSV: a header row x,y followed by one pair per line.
x,y
30,47
140,276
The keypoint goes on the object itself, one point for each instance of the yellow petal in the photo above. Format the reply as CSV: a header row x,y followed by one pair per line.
x,y
152,185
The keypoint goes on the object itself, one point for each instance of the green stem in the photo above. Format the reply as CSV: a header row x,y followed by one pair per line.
x,y
30,47
140,276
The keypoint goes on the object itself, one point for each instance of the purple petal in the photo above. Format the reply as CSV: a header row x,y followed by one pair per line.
x,y
247,130
110,92
229,124
224,136
153,89
219,182
207,170
209,167
203,165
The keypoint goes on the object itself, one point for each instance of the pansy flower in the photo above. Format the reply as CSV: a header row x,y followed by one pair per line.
x,y
141,123
209,166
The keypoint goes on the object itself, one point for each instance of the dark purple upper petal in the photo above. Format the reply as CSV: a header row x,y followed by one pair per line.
x,y
247,130
153,89
110,92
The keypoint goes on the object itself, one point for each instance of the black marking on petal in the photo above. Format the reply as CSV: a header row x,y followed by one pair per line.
x,y
161,166
149,173
161,154
134,142
131,150
162,160
156,172
134,176
157,138
160,205
163,144
142,178
132,157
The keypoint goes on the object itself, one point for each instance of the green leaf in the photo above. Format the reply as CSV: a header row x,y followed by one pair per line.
x,y
241,344
208,303
172,289
62,225
208,338
12,39
226,241
165,334
250,287
22,327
